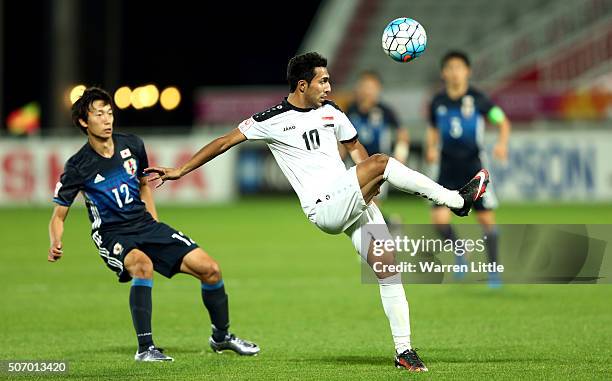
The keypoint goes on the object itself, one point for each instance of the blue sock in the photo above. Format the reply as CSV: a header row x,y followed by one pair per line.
x,y
141,307
216,302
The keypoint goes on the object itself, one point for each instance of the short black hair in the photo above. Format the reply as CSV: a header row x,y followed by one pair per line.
x,y
455,54
80,108
302,67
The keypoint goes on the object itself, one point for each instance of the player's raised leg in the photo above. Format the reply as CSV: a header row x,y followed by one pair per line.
x,y
140,268
203,267
380,167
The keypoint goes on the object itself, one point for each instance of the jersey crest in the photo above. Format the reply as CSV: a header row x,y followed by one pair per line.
x,y
130,166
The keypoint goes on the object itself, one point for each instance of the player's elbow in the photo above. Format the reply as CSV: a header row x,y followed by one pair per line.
x,y
224,144
230,139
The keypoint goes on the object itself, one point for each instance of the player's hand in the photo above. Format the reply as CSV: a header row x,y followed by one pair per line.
x,y
163,174
55,252
431,155
500,152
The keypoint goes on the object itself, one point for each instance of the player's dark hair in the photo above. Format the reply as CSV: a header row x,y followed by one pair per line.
x,y
371,74
81,107
455,54
302,67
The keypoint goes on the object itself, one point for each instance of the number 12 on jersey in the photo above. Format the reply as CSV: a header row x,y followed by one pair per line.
x,y
311,138
124,189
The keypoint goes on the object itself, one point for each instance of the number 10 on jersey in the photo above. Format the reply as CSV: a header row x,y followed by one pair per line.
x,y
311,138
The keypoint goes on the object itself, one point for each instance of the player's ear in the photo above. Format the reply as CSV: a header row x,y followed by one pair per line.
x,y
83,123
302,85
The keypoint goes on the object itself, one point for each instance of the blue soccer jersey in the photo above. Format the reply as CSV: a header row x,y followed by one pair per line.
x,y
461,123
376,128
110,186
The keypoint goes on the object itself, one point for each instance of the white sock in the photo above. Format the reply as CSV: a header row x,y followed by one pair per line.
x,y
408,180
396,308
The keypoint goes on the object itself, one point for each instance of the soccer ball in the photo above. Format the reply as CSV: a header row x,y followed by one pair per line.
x,y
404,39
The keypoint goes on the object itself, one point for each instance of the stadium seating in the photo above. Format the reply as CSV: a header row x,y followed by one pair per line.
x,y
449,23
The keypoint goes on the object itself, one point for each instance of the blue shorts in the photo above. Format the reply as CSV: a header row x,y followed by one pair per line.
x,y
164,245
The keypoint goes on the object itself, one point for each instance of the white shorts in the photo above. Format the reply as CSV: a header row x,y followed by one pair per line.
x,y
343,209
341,204
369,226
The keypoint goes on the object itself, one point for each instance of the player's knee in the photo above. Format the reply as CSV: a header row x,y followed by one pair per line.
x,y
144,270
380,162
139,266
211,273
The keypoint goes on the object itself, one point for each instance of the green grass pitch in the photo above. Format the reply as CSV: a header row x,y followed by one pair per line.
x,y
297,293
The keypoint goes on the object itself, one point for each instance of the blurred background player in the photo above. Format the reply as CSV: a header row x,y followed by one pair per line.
x,y
131,240
377,123
454,139
378,126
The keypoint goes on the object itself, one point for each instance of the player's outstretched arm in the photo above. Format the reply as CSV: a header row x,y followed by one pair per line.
x,y
206,154
56,230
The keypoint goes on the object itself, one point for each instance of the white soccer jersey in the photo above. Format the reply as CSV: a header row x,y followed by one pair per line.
x,y
304,143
